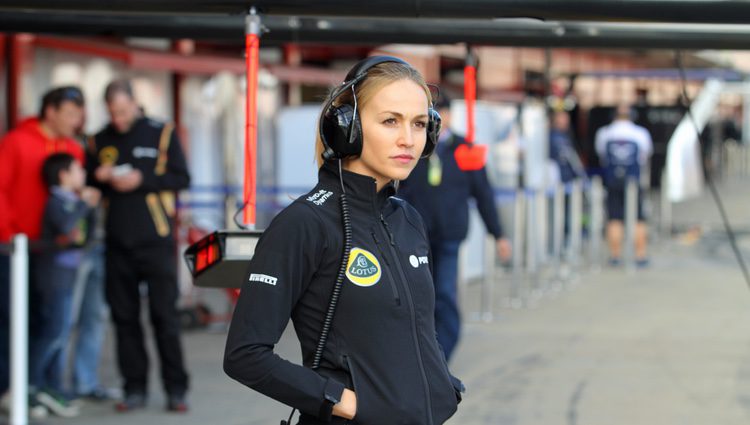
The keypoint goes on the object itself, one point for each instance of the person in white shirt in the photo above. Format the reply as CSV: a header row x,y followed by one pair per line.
x,y
624,149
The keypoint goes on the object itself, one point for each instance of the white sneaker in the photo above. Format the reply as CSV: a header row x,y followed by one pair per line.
x,y
38,411
58,405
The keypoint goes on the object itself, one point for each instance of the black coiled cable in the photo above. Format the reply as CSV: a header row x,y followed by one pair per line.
x,y
328,321
336,292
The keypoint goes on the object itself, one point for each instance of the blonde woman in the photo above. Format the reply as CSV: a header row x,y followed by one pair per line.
x,y
349,263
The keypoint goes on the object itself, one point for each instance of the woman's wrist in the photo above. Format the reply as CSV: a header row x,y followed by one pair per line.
x,y
347,407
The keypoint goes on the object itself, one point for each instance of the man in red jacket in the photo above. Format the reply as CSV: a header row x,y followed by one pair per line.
x,y
22,191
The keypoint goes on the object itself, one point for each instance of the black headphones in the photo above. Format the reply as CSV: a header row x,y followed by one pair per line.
x,y
340,127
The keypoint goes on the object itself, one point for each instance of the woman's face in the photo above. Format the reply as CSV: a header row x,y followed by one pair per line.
x,y
394,128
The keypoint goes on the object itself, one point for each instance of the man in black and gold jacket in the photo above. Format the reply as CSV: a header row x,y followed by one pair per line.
x,y
139,165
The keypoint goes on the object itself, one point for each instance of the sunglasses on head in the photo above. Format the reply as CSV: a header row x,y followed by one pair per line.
x,y
70,93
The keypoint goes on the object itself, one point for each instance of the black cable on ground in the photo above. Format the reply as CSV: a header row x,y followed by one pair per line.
x,y
709,179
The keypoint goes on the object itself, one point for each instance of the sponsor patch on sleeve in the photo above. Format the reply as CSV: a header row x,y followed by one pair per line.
x,y
263,278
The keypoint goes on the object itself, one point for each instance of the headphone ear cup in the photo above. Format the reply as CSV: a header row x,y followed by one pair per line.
x,y
342,133
356,139
434,124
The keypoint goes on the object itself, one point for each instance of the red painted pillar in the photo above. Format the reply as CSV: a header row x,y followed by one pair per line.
x,y
185,47
252,57
470,93
470,156
4,76
20,49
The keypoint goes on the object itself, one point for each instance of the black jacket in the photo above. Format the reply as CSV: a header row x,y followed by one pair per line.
x,y
382,344
146,215
445,207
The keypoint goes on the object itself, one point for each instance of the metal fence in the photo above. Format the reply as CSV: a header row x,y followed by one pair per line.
x,y
557,235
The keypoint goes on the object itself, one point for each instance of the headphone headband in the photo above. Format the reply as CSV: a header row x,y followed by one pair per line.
x,y
358,73
359,70
339,127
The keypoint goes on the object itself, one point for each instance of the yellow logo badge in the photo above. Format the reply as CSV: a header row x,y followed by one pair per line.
x,y
108,155
363,268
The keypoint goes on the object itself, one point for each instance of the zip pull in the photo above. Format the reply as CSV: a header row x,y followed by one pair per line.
x,y
387,229
382,254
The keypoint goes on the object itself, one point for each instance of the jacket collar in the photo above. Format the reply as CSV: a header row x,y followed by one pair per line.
x,y
138,121
359,188
64,194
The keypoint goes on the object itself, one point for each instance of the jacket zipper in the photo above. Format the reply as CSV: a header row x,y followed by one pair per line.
x,y
348,361
388,270
355,387
410,302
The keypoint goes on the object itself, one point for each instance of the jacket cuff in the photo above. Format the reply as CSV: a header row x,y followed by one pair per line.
x,y
332,393
458,387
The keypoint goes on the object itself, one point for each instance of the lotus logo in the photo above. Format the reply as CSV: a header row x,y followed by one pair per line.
x,y
363,268
108,155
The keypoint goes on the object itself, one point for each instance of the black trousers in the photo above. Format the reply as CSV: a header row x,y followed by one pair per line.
x,y
126,269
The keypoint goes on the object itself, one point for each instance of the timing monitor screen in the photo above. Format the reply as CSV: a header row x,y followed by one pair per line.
x,y
219,260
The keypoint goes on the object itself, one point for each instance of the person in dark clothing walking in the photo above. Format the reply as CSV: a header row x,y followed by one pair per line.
x,y
381,363
139,164
440,190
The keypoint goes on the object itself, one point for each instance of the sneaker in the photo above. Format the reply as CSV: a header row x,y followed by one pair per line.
x,y
36,410
642,263
613,262
57,404
132,401
98,394
177,403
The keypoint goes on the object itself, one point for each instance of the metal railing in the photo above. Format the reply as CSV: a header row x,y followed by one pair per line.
x,y
557,235
19,332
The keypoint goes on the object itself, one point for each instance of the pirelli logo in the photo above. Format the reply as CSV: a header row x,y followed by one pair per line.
x,y
263,278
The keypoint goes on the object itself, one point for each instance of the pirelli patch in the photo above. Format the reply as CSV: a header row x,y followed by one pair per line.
x,y
363,268
263,278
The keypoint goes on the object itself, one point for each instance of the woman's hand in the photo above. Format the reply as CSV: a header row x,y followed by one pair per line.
x,y
347,407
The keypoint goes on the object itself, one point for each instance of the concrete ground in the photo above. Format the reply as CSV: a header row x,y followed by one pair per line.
x,y
665,345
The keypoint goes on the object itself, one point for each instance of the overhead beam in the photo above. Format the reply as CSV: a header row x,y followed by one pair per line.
x,y
372,31
693,11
